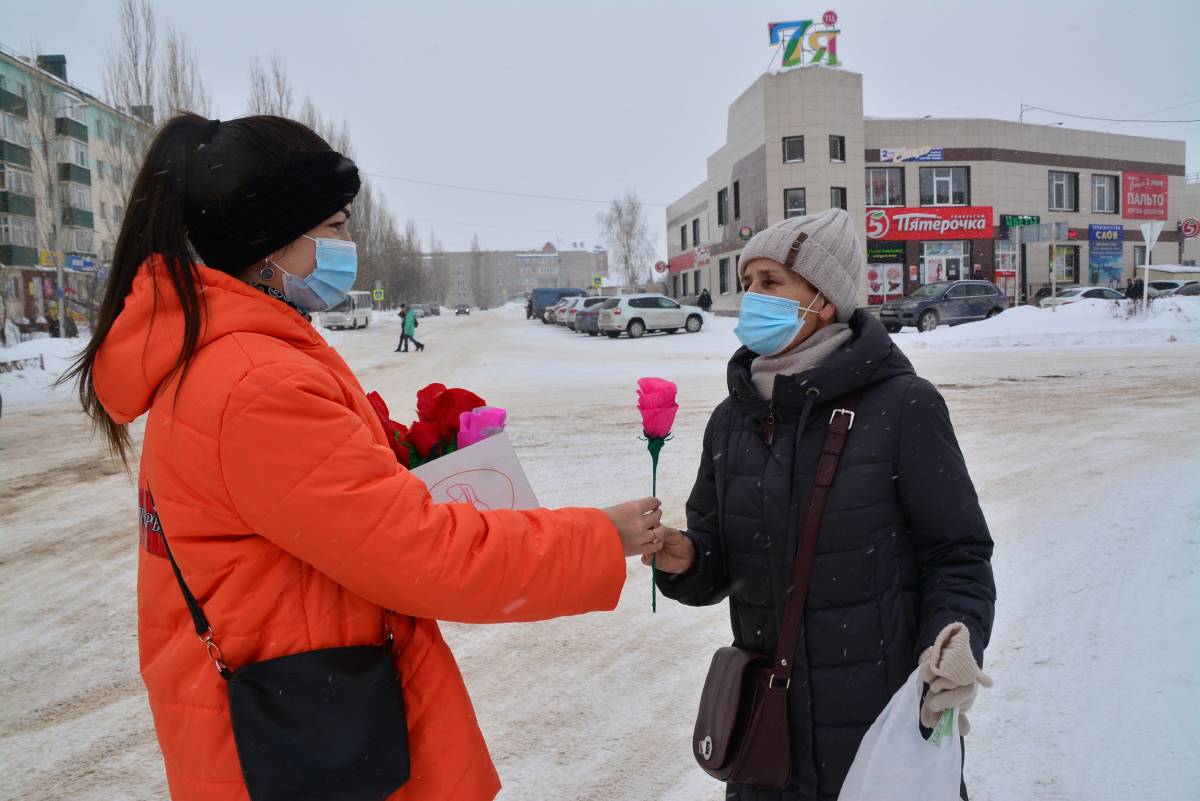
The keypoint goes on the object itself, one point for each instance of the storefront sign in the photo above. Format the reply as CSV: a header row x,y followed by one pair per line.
x,y
1009,220
799,38
1145,196
660,267
958,222
925,153
912,273
684,261
1106,243
1190,228
882,252
884,282
81,264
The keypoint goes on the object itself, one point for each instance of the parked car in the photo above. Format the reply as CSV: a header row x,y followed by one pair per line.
x,y
563,314
1191,289
1081,293
546,298
462,309
483,307
550,315
637,314
419,311
950,302
353,312
1045,292
431,309
576,306
1165,288
587,321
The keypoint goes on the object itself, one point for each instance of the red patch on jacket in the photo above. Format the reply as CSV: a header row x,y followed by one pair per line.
x,y
149,528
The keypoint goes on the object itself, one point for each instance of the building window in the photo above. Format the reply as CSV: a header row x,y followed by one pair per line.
x,y
793,149
723,269
683,237
1139,255
837,197
675,286
77,240
1104,194
1064,191
17,230
1006,254
945,186
1064,260
103,210
737,201
75,196
695,233
837,149
72,108
737,273
15,180
793,203
74,152
722,206
14,129
685,284
885,186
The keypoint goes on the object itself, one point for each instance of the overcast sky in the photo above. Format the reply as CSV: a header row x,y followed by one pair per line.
x,y
587,100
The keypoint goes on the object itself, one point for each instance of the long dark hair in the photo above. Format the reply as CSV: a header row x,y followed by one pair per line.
x,y
191,163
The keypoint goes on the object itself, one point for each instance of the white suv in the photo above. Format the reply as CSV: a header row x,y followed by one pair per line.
x,y
637,314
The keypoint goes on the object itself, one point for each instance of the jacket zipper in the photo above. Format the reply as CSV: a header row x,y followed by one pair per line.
x,y
770,434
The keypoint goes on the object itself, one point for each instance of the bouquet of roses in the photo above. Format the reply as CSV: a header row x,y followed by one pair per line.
x,y
447,419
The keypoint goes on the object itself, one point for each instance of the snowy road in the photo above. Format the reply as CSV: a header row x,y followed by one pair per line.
x,y
1087,461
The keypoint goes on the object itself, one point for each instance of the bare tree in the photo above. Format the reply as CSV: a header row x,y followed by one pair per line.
x,y
270,88
180,87
478,265
130,65
631,247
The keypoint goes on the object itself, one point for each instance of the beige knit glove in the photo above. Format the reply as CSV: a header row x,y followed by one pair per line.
x,y
950,670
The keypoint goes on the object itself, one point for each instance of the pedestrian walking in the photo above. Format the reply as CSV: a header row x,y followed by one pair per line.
x,y
895,574
275,520
408,330
705,301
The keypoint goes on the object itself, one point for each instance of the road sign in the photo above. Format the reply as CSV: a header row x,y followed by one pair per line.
x,y
1150,232
597,280
377,294
1191,228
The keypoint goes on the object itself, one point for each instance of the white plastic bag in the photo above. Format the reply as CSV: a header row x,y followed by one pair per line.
x,y
895,763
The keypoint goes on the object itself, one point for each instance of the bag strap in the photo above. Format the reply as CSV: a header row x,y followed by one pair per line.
x,y
204,630
840,424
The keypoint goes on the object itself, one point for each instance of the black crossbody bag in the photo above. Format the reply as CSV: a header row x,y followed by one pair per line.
x,y
324,725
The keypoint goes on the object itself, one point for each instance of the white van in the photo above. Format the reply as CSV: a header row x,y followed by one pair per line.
x,y
353,312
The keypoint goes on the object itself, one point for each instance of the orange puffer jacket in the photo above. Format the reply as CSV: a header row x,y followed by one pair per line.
x,y
296,529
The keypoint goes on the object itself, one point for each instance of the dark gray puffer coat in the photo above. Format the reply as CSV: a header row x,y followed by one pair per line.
x,y
904,549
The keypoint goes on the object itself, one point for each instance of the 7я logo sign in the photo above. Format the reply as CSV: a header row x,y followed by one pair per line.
x,y
959,222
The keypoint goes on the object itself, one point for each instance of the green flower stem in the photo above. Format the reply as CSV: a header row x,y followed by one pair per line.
x,y
655,446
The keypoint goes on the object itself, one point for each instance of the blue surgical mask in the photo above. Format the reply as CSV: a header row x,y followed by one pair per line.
x,y
767,324
326,286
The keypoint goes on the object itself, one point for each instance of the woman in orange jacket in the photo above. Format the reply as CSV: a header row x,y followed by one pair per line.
x,y
270,474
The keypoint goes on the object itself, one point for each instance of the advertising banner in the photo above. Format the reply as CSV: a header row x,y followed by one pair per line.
x,y
1145,196
1106,245
954,222
896,154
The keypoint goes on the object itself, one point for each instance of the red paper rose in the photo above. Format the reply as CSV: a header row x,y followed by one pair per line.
x,y
424,437
396,433
427,400
449,407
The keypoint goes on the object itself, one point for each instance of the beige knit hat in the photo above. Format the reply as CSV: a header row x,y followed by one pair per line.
x,y
823,248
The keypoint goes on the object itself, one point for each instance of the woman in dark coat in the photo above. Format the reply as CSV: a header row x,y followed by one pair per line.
x,y
901,576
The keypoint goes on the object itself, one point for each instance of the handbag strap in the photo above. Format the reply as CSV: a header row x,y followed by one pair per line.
x,y
204,630
840,423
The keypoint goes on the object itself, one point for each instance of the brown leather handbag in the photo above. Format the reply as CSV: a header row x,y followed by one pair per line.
x,y
742,733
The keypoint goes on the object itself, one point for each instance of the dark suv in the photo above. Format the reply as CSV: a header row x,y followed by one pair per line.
x,y
950,302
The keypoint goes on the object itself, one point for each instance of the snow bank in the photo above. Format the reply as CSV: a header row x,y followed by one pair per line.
x,y
32,385
1087,322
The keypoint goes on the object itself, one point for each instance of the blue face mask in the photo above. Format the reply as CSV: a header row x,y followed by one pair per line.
x,y
326,286
767,324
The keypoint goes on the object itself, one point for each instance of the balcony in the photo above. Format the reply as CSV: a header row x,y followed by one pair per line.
x,y
13,203
65,126
15,154
18,256
74,173
78,218
14,104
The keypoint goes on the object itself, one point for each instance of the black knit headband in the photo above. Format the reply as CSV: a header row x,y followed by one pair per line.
x,y
274,210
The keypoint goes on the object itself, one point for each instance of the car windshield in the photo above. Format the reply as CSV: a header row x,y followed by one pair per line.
x,y
346,305
930,290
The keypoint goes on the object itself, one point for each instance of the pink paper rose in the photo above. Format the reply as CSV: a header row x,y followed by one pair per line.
x,y
479,424
656,402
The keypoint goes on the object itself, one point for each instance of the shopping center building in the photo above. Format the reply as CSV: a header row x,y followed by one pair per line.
x,y
933,199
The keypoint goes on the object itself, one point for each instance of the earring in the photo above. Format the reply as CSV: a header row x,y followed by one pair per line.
x,y
266,273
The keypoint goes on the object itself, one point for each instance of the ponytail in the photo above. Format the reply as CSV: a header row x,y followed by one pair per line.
x,y
191,162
